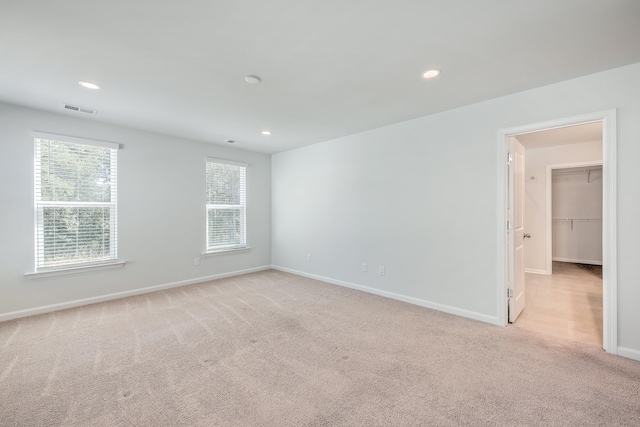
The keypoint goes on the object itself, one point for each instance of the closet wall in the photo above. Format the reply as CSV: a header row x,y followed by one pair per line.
x,y
577,215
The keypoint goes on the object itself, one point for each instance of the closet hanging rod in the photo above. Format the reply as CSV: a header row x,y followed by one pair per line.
x,y
577,219
563,172
572,220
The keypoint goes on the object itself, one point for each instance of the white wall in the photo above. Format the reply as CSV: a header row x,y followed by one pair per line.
x,y
420,197
577,197
536,162
161,215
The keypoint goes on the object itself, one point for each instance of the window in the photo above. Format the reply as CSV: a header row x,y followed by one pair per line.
x,y
75,202
226,205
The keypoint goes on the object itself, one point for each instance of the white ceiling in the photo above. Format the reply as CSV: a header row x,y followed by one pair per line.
x,y
561,136
330,68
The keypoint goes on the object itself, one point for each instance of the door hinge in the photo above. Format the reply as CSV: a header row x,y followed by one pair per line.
x,y
508,225
509,157
509,293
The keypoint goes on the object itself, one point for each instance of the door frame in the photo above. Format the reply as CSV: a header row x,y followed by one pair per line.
x,y
548,221
609,216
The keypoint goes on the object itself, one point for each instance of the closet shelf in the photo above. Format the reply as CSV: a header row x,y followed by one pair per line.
x,y
573,171
572,220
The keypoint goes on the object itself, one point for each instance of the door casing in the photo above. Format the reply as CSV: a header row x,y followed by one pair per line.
x,y
609,225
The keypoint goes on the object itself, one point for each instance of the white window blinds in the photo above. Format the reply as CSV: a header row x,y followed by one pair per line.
x,y
75,203
226,205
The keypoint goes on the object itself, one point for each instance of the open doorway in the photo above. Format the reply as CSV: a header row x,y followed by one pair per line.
x,y
506,184
563,216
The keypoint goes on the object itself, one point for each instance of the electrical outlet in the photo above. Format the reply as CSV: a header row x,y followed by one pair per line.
x,y
364,267
196,261
309,257
381,270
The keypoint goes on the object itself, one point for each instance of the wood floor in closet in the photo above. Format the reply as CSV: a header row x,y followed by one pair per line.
x,y
566,304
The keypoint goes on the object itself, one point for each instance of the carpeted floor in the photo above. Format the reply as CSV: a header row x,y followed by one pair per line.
x,y
274,349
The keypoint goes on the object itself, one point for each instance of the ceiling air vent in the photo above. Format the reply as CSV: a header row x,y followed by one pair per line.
x,y
80,109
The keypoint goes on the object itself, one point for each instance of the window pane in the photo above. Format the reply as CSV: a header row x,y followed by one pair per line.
x,y
225,227
75,235
74,172
224,184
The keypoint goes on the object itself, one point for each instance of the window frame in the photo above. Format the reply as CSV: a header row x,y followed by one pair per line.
x,y
40,205
242,207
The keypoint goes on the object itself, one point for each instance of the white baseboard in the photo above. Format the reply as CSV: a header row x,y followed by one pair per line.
x,y
578,261
411,300
535,271
629,353
86,301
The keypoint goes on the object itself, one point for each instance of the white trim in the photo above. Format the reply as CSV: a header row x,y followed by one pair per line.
x,y
610,231
77,303
558,123
59,271
411,300
41,269
578,261
629,353
536,271
74,140
226,251
226,162
609,224
502,218
548,220
241,207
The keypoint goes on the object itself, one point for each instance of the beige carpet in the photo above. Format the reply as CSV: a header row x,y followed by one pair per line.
x,y
274,349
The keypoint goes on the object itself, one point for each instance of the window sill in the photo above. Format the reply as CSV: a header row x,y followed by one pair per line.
x,y
226,251
73,270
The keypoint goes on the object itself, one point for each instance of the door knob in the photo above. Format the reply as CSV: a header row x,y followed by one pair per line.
x,y
527,235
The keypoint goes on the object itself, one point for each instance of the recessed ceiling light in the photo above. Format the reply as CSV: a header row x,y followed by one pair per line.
x,y
230,141
251,79
266,132
429,74
89,85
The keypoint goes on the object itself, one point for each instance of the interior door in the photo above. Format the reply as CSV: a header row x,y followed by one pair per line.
x,y
516,232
